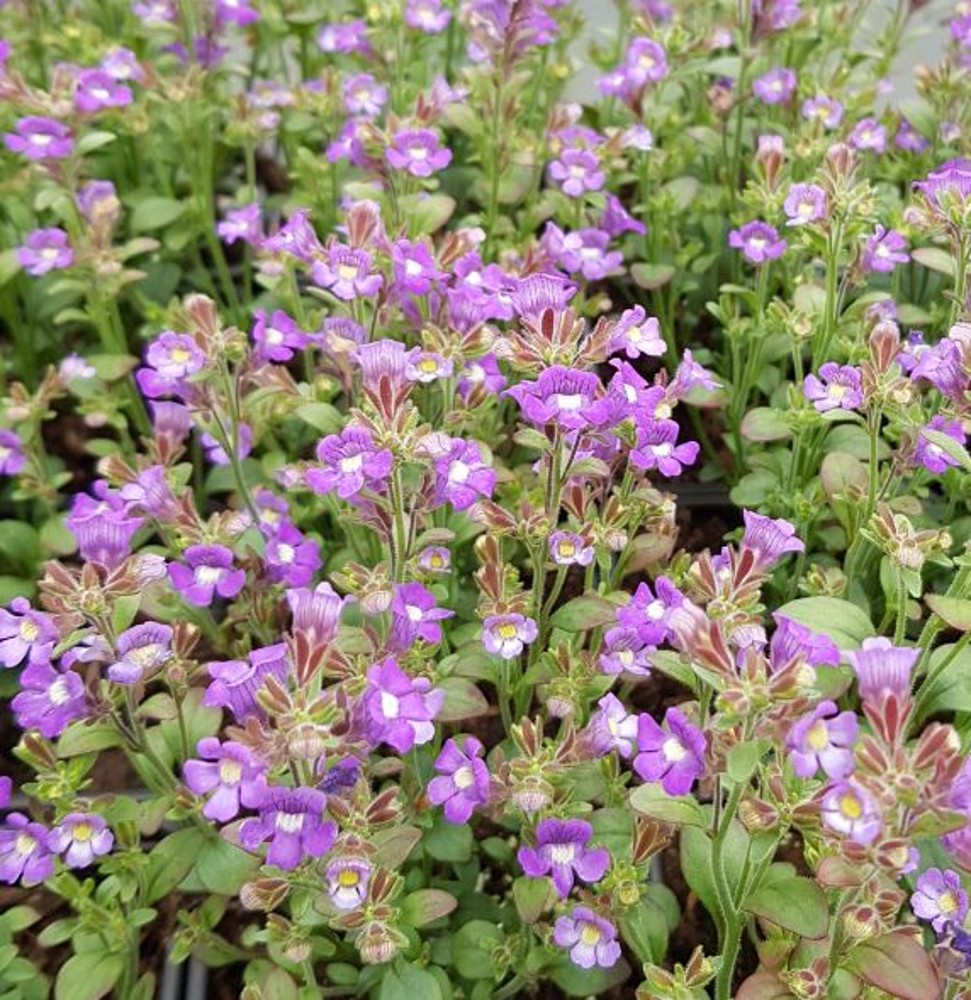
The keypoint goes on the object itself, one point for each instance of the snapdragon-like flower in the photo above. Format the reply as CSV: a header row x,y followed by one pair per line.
x,y
849,809
81,838
49,699
507,635
591,940
103,525
348,879
804,203
673,755
235,684
37,138
636,333
869,134
562,851
291,558
428,16
292,820
400,709
347,273
97,90
582,251
950,181
613,727
825,110
278,336
625,652
791,639
25,634
345,37
882,668
644,62
567,548
207,572
884,250
758,241
462,477
151,494
296,239
418,152
649,611
215,449
837,387
363,95
427,367
416,614
770,539
12,457
350,462
435,559
45,250
141,651
481,373
230,774
242,224
775,87
171,358
462,782
943,366
823,739
415,271
24,855
657,448
577,171
236,12
932,456
561,396
940,898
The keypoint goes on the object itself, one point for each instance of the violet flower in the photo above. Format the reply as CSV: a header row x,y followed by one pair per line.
x,y
350,462
141,650
616,220
625,652
506,636
6,790
481,373
25,634
347,273
462,782
292,820
45,250
363,95
418,152
882,669
591,940
657,448
12,457
673,755
39,138
462,477
347,882
804,203
567,548
170,359
932,456
823,109
649,612
840,387
49,699
214,448
583,251
291,558
316,613
207,572
81,838
427,367
296,239
791,639
400,709
577,171
230,774
613,727
235,684
775,87
951,180
97,90
884,251
435,559
770,539
415,272
103,526
242,224
823,739
416,614
428,16
347,38
277,337
24,855
940,898
561,851
560,396
758,241
636,333
869,134
849,809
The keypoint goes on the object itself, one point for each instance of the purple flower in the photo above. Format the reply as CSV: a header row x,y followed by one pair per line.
x,y
869,134
567,548
770,539
40,139
49,699
414,267
462,782
6,790
507,635
98,202
636,333
951,179
236,12
626,652
316,613
278,337
560,395
909,139
400,709
418,152
427,367
648,614
170,359
462,477
363,95
435,559
216,452
347,273
591,940
12,457
346,38
291,558
427,15
674,755
657,448
849,809
122,64
245,223
24,855
840,388
141,650
644,62
932,456
230,774
758,241
483,372
103,526
416,614
791,639
97,89
25,634
882,669
347,882
944,367
349,463
561,851
295,239
884,251
616,220
613,727
823,109
292,819
207,571
775,87
45,250
804,203
151,494
81,837
235,684
534,294
577,171
939,897
817,743
582,251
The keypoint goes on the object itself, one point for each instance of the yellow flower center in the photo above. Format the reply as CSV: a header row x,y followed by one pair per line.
x,y
348,878
507,630
818,735
230,771
590,934
850,806
83,832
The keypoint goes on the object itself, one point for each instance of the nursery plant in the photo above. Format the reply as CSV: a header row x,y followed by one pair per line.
x,y
465,536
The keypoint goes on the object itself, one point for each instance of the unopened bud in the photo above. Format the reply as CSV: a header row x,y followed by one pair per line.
x,y
264,894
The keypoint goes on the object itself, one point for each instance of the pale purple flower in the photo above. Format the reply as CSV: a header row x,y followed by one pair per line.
x,y
400,709
849,809
39,138
278,336
840,387
427,367
207,572
636,333
12,457
560,395
49,699
75,368
533,295
292,819
758,241
170,359
141,651
347,273
24,855
613,727
591,940
567,548
435,559
616,220
103,525
350,462
952,180
245,224
6,790
96,89
25,634
291,558
348,879
869,134
462,782
45,250
657,448
882,669
770,539
932,456
823,109
122,64
347,37
625,652
637,137
507,635
363,95
155,13
577,171
296,238
149,493
562,851
823,739
482,372
462,477
414,267
215,449
384,366
649,612
416,614
804,203
791,639
235,683
775,87
81,837
644,62
230,774
427,15
673,755
98,202
418,152
689,376
940,898
583,251
884,250
236,12
944,367
909,139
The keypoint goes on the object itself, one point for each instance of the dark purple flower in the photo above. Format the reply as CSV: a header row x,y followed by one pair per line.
x,y
770,539
561,396
277,337
292,819
657,448
141,651
49,699
462,782
590,940
230,774
45,250
347,273
418,152
674,755
823,739
427,15
758,241
462,477
932,456
12,457
245,224
416,614
577,171
649,612
840,387
882,669
24,855
940,898
792,639
400,709
236,683
869,134
823,109
347,882
884,251
207,571
97,89
804,203
850,809
103,526
775,87
40,139
291,558
561,851
349,463
81,837
25,634
507,635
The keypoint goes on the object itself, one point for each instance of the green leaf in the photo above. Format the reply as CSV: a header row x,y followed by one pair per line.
x,y
695,849
88,976
792,902
472,949
406,981
765,424
124,611
94,140
956,611
763,985
845,623
156,213
935,259
533,897
80,738
953,449
595,982
652,276
393,845
448,841
429,214
221,867
676,667
898,964
584,613
951,691
426,905
753,488
645,929
743,759
170,861
463,700
323,416
112,367
19,545
56,538
842,475
678,810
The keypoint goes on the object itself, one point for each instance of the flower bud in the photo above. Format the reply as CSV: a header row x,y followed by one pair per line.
x,y
264,894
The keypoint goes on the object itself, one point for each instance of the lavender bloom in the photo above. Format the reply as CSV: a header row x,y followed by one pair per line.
x,y
81,837
236,12
209,572
350,462
347,273
24,856
583,252
769,539
345,38
427,15
45,250
817,743
416,614
841,387
909,139
882,669
791,639
363,95
103,526
775,87
150,494
940,898
932,456
869,134
951,179
674,755
559,396
657,448
591,940
507,635
567,548
278,337
613,727
245,224
625,652
347,882
414,267
6,790
435,559
142,650
170,359
418,152
40,139
823,109
636,334
171,421
482,372
462,782
462,477
804,203
291,558
235,684
944,367
216,453
295,239
316,613
230,774
49,699
849,809
97,90
616,220
400,709
758,241
25,634
427,367
122,64
884,251
536,293
292,819
775,15
12,457
384,366
644,62
649,614
561,850
577,171
98,202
